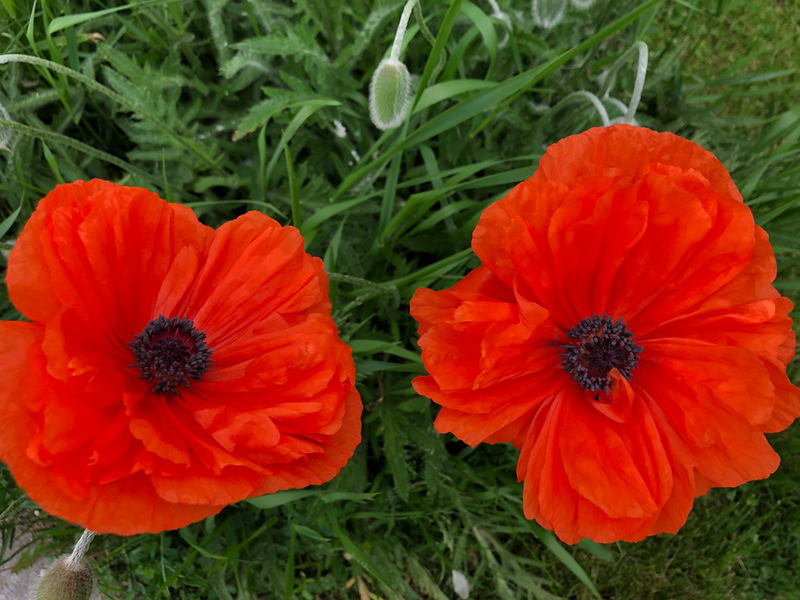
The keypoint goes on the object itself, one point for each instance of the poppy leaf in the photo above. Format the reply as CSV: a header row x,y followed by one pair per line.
x,y
395,451
281,498
449,89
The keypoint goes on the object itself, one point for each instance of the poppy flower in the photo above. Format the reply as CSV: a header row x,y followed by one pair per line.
x,y
622,332
168,369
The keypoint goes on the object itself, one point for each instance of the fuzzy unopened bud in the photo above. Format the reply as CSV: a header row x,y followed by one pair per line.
x,y
582,4
548,13
390,94
66,580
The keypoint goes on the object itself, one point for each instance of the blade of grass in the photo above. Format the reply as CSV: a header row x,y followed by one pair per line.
x,y
294,188
51,136
501,95
60,23
438,48
308,109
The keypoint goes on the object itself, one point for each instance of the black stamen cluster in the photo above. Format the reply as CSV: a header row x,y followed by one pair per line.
x,y
600,344
171,352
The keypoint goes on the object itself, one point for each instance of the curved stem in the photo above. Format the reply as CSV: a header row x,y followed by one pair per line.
x,y
582,94
81,548
638,86
623,108
401,30
504,18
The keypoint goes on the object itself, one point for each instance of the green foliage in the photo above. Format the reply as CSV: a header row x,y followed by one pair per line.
x,y
263,105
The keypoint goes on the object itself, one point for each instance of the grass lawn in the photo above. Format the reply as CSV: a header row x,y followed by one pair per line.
x,y
233,106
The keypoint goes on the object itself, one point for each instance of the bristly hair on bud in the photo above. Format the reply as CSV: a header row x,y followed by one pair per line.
x,y
548,13
390,88
65,581
389,94
69,577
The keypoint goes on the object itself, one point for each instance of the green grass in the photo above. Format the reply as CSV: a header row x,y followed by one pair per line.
x,y
230,106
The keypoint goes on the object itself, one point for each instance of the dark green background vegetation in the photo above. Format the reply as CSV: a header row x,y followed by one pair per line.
x,y
229,106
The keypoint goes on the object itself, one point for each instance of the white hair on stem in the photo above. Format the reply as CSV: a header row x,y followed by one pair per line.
x,y
401,30
548,13
69,577
498,14
581,95
5,135
610,79
81,548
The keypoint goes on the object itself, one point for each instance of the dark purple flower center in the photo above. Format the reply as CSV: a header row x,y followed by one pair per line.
x,y
597,345
171,352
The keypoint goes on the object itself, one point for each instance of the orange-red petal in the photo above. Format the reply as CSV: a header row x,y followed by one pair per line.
x,y
275,406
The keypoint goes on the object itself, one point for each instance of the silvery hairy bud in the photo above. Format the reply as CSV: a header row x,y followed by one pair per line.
x,y
65,581
390,88
389,94
69,577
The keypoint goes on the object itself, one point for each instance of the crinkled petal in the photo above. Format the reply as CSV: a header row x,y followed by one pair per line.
x,y
103,250
589,476
254,268
125,507
719,401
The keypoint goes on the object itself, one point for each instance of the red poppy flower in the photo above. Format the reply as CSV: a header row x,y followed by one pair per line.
x,y
622,332
168,369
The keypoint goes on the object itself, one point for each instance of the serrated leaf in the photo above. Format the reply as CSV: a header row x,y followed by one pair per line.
x,y
287,45
395,452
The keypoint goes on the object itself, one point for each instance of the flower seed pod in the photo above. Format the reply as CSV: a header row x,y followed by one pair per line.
x,y
389,94
66,580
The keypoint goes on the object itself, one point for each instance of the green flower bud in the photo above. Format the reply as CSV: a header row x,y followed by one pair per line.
x,y
65,580
390,94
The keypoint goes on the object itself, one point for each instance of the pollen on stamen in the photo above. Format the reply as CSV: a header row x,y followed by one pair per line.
x,y
171,353
597,345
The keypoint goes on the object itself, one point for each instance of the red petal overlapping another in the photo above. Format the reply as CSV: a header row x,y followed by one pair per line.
x,y
649,229
91,441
